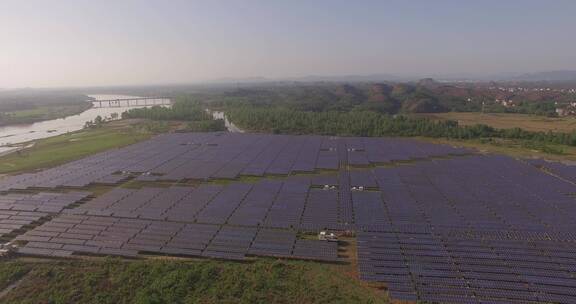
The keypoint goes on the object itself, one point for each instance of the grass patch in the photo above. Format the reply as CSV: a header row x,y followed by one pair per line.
x,y
134,184
514,148
158,281
11,272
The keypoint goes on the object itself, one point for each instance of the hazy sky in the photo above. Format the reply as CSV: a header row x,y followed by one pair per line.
x,y
101,42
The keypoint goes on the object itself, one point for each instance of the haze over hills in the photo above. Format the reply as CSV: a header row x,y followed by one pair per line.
x,y
544,76
548,76
566,75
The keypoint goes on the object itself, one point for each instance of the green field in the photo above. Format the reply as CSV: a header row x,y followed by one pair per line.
x,y
117,281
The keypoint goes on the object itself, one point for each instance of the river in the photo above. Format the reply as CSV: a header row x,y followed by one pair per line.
x,y
11,136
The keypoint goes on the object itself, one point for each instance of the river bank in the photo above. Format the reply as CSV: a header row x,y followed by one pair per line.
x,y
60,149
12,137
42,113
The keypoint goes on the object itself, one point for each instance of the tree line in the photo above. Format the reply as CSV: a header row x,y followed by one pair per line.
x,y
183,109
282,120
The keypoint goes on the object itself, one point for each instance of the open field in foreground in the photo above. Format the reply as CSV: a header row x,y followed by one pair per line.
x,y
155,281
509,120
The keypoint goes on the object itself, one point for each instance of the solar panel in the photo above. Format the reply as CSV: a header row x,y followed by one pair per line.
x,y
464,228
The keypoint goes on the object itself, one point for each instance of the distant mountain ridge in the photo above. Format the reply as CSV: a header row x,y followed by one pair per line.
x,y
566,75
549,76
319,78
353,78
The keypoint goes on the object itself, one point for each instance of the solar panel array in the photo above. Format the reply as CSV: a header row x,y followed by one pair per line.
x,y
483,229
13,221
104,235
292,203
559,169
201,156
466,229
42,202
19,211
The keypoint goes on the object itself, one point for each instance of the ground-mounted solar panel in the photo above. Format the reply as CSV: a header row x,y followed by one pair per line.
x,y
369,208
325,180
283,163
273,242
131,203
11,222
345,207
192,237
203,156
306,159
255,206
327,160
321,211
358,158
362,179
436,224
187,208
51,202
219,209
288,205
315,250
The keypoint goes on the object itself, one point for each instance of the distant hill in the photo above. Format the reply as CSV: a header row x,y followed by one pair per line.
x,y
352,78
318,78
548,76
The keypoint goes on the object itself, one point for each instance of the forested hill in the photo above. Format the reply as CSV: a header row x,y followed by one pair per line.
x,y
424,96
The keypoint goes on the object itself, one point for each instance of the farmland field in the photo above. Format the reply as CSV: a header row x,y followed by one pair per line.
x,y
507,121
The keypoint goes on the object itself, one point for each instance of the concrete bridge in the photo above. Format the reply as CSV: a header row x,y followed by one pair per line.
x,y
132,102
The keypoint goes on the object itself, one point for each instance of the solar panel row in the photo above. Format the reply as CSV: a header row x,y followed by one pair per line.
x,y
290,203
204,156
42,202
69,234
12,221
